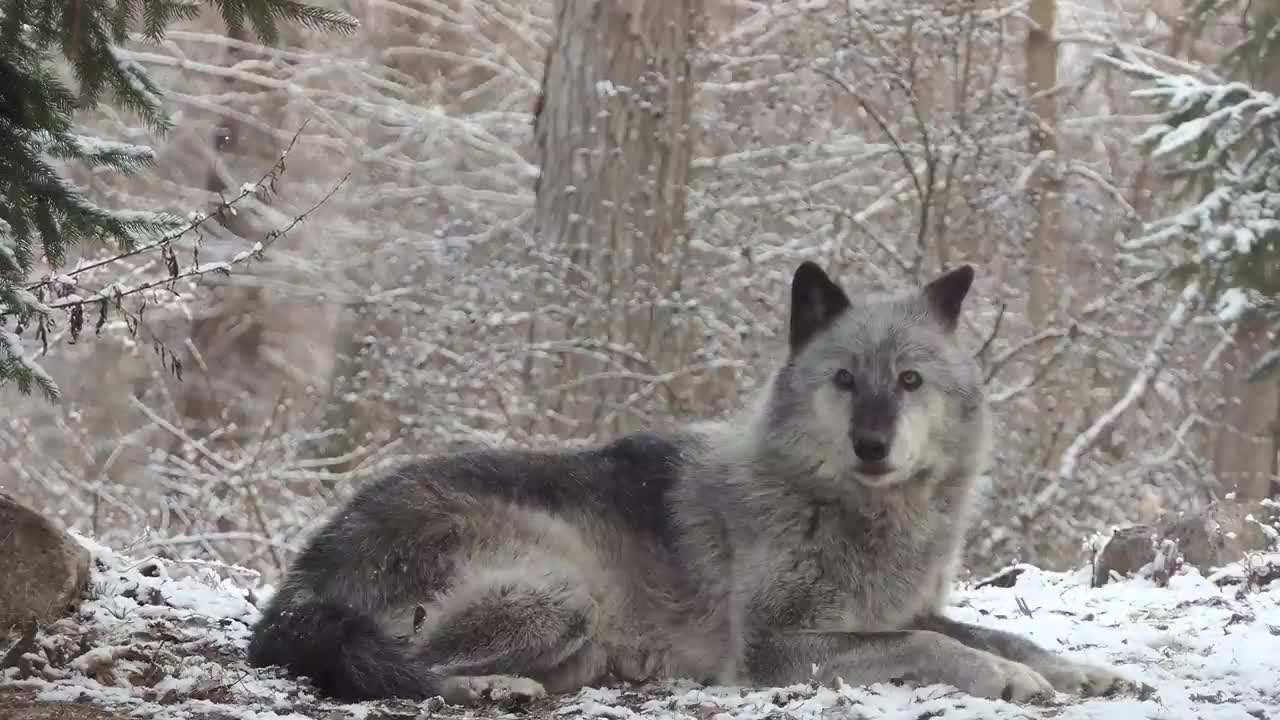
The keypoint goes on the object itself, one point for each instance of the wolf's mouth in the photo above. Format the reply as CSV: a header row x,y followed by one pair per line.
x,y
880,476
873,469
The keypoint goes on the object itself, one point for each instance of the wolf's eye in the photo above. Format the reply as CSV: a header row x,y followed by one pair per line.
x,y
910,379
844,379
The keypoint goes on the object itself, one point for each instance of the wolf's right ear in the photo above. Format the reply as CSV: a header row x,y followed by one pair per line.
x,y
815,301
946,294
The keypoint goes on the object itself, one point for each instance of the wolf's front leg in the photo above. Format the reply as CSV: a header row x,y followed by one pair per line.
x,y
1066,675
783,657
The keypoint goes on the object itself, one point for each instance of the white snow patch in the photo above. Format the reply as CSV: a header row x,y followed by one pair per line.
x,y
1232,305
1181,136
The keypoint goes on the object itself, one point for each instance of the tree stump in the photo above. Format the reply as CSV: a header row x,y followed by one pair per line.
x,y
43,571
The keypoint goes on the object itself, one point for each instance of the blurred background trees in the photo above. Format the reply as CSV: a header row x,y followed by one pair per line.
x,y
553,224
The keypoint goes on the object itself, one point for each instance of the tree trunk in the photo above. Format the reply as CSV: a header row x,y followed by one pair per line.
x,y
1244,455
1048,256
1047,249
614,138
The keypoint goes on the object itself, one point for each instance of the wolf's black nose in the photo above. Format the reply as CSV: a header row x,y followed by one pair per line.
x,y
870,449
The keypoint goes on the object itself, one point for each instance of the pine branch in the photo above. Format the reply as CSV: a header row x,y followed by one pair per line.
x,y
37,108
1222,141
267,179
28,304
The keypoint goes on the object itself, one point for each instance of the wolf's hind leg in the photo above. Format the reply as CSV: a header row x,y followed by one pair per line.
x,y
494,631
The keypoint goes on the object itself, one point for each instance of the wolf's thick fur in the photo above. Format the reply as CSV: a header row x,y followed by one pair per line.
x,y
820,526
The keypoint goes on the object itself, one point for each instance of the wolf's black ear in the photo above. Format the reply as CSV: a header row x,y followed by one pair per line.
x,y
815,301
946,294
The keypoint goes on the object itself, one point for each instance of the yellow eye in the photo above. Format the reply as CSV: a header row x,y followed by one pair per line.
x,y
844,379
910,379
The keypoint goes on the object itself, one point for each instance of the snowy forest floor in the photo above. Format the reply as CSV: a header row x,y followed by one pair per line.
x,y
166,640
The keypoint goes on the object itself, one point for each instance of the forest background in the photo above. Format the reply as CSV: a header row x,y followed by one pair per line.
x,y
523,222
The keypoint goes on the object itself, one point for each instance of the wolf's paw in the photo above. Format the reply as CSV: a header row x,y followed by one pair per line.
x,y
501,689
1007,680
1085,679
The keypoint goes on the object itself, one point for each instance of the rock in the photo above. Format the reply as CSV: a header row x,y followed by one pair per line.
x,y
1211,537
44,571
1127,551
1221,533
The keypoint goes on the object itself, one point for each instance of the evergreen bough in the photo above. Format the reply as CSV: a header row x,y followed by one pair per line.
x,y
1219,140
41,213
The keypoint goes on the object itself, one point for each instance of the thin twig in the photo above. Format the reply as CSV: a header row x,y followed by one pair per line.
x,y
995,330
277,169
195,270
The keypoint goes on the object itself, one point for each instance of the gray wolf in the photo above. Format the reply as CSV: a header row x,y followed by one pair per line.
x,y
817,530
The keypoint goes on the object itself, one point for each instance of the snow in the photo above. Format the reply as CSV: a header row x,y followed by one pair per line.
x,y
1181,136
142,217
134,74
88,145
243,255
1232,305
30,302
11,345
166,640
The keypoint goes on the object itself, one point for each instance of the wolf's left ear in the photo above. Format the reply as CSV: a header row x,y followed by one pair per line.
x,y
946,294
815,301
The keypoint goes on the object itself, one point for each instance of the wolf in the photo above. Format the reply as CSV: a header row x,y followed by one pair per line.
x,y
812,534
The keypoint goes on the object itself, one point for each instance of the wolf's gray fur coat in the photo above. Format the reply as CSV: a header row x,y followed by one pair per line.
x,y
821,526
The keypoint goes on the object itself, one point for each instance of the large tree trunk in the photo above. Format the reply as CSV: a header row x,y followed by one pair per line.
x,y
1048,252
614,138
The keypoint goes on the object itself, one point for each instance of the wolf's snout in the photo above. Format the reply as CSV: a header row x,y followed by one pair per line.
x,y
872,449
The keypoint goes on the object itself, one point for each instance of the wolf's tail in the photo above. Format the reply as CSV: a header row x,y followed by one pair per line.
x,y
344,652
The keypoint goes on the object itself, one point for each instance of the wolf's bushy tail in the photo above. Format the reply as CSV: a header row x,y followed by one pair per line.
x,y
345,653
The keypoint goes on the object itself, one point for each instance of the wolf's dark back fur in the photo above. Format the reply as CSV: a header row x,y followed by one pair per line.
x,y
321,623
597,479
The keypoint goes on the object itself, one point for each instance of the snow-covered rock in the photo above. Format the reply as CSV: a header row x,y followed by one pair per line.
x,y
167,640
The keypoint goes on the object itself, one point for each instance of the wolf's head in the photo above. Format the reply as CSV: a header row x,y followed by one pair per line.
x,y
877,391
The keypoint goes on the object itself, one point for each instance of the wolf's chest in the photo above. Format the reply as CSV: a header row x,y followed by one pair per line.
x,y
880,578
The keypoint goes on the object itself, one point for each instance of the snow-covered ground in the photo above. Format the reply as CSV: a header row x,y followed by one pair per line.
x,y
161,640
